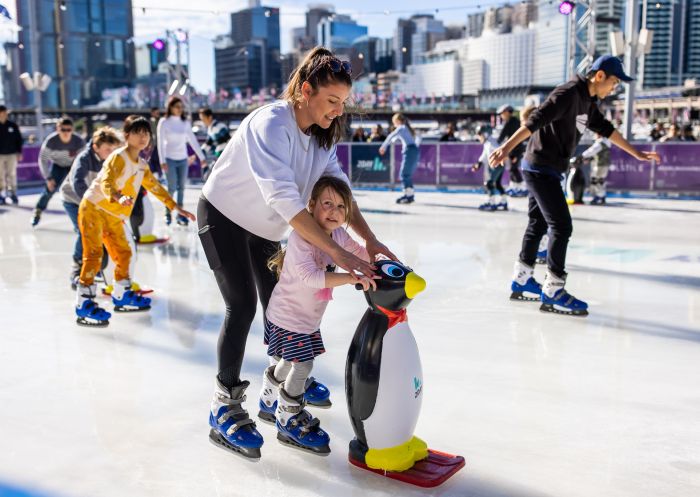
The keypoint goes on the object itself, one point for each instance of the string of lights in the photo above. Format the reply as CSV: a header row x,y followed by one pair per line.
x,y
435,10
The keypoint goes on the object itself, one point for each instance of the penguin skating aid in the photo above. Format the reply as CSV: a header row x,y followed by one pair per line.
x,y
384,387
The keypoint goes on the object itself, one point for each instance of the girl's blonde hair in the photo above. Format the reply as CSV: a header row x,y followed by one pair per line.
x,y
106,135
317,68
403,120
341,188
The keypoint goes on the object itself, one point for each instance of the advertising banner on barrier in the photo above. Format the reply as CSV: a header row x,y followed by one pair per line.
x,y
28,168
456,161
679,168
368,166
343,153
626,172
427,164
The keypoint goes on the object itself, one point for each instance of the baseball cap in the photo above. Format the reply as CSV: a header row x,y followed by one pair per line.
x,y
504,108
611,65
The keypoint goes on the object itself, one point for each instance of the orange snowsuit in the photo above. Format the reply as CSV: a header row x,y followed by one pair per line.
x,y
100,217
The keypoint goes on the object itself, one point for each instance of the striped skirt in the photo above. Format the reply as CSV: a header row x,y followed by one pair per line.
x,y
290,346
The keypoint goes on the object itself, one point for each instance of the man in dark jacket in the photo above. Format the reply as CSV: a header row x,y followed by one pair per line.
x,y
511,124
10,154
56,156
556,128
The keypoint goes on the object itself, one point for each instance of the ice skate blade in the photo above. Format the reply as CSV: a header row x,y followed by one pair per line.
x,y
267,417
324,404
126,309
91,324
551,308
318,451
218,440
518,296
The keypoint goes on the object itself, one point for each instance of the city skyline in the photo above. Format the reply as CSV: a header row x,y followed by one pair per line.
x,y
205,27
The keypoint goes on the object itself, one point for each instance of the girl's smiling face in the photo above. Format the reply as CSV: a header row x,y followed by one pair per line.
x,y
329,210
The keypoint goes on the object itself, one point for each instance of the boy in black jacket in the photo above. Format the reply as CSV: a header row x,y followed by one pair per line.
x,y
555,129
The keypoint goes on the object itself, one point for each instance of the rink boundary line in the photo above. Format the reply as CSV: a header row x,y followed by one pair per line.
x,y
480,191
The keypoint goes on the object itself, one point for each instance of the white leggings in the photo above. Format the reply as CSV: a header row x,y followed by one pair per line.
x,y
293,374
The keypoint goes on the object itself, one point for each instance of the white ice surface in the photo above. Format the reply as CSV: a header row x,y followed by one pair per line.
x,y
538,404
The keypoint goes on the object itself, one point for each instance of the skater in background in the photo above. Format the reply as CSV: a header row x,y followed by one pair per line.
x,y
59,150
106,205
409,154
174,134
449,134
511,124
10,155
492,173
218,136
293,317
377,135
84,170
260,186
599,155
555,129
359,135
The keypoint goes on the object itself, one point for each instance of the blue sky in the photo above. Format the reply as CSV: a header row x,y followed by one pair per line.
x,y
205,19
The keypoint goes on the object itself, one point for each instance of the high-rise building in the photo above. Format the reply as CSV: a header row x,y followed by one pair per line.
x,y
148,58
313,17
664,65
525,12
402,43
252,58
692,44
86,48
364,55
428,31
384,55
609,10
475,25
551,42
338,33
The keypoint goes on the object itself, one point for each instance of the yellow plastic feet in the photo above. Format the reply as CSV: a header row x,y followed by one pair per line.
x,y
399,458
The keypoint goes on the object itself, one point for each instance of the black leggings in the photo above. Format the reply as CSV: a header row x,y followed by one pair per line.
x,y
514,170
239,261
547,210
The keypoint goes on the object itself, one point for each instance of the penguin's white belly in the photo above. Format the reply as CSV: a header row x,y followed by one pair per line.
x,y
400,391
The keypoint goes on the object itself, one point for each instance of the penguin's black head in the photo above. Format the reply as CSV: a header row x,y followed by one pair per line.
x,y
398,286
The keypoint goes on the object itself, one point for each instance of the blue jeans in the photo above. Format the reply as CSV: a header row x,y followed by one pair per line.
x,y
409,161
58,174
72,210
176,175
493,179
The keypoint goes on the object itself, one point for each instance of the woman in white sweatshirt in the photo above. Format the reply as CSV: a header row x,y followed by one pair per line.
x,y
174,134
260,187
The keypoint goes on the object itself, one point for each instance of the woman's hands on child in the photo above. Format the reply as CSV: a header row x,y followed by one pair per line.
x,y
126,200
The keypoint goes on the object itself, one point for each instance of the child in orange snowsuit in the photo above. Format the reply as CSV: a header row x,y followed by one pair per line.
x,y
107,204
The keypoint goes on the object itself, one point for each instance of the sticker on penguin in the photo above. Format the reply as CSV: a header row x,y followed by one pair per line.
x,y
384,386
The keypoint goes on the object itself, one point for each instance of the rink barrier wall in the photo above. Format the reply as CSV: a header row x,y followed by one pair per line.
x,y
448,165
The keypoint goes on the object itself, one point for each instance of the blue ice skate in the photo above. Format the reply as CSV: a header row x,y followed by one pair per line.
x,y
531,287
501,205
231,428
488,206
563,303
541,257
131,302
90,314
299,429
316,395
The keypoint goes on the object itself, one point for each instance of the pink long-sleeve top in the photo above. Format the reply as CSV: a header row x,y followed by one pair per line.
x,y
300,297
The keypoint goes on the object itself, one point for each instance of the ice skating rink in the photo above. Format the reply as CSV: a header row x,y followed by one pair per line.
x,y
538,404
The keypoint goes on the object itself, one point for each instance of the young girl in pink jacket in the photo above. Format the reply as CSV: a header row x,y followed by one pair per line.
x,y
306,280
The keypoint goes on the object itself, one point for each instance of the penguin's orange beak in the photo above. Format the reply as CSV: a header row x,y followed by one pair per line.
x,y
414,285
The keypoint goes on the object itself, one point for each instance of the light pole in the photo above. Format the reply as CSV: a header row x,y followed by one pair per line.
x,y
36,83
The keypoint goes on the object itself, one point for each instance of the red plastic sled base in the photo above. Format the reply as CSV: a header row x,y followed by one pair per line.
x,y
432,471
